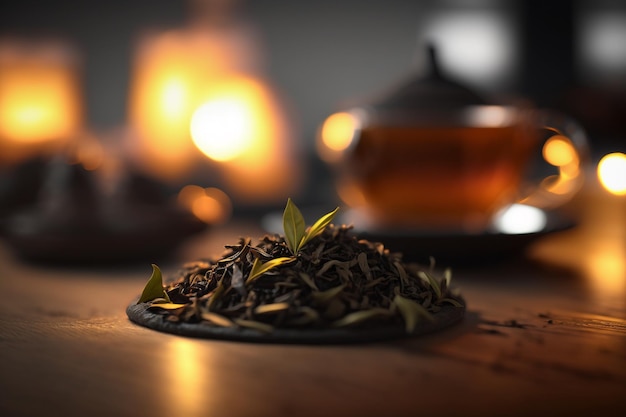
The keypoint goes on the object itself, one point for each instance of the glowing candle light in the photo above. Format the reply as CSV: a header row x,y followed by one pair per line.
x,y
172,73
337,133
40,106
559,151
612,173
196,92
168,70
222,128
211,205
242,125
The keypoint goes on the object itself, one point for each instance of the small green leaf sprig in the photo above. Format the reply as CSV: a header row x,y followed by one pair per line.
x,y
296,236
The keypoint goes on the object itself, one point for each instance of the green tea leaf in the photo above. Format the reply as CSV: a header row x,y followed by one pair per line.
x,y
271,308
308,280
431,281
411,312
293,226
307,315
154,288
256,325
447,275
317,228
259,268
324,297
364,265
217,319
402,272
217,294
360,316
236,281
167,306
160,300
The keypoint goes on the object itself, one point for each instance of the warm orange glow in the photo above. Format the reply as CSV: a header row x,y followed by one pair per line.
x,y
194,92
173,72
222,128
242,125
39,97
338,130
211,205
564,186
336,134
612,173
87,151
559,151
186,384
350,194
606,269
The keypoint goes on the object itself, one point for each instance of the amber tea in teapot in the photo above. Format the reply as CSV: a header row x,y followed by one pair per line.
x,y
439,176
435,155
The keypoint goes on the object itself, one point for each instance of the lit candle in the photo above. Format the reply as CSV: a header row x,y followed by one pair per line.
x,y
612,172
196,93
40,105
172,72
242,126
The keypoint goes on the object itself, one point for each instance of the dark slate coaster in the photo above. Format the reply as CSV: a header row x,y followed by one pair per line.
x,y
447,316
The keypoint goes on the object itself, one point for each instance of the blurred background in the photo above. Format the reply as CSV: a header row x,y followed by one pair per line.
x,y
144,85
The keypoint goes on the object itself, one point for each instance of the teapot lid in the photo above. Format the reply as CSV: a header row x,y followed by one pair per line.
x,y
434,90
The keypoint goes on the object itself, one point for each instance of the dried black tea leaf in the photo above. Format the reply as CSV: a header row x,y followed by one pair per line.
x,y
336,281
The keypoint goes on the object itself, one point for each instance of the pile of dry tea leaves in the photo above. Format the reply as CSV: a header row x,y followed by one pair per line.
x,y
329,280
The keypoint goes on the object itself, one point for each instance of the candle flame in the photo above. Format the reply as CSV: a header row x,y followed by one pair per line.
x,y
171,74
194,94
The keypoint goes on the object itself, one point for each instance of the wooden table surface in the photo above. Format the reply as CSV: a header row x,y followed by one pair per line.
x,y
545,334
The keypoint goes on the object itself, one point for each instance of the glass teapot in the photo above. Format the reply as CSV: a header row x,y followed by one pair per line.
x,y
433,154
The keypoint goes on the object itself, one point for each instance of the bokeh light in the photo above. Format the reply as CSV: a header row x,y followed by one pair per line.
x,y
559,151
336,135
612,173
519,219
211,205
222,129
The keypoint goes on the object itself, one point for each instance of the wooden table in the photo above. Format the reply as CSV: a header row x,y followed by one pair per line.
x,y
545,334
